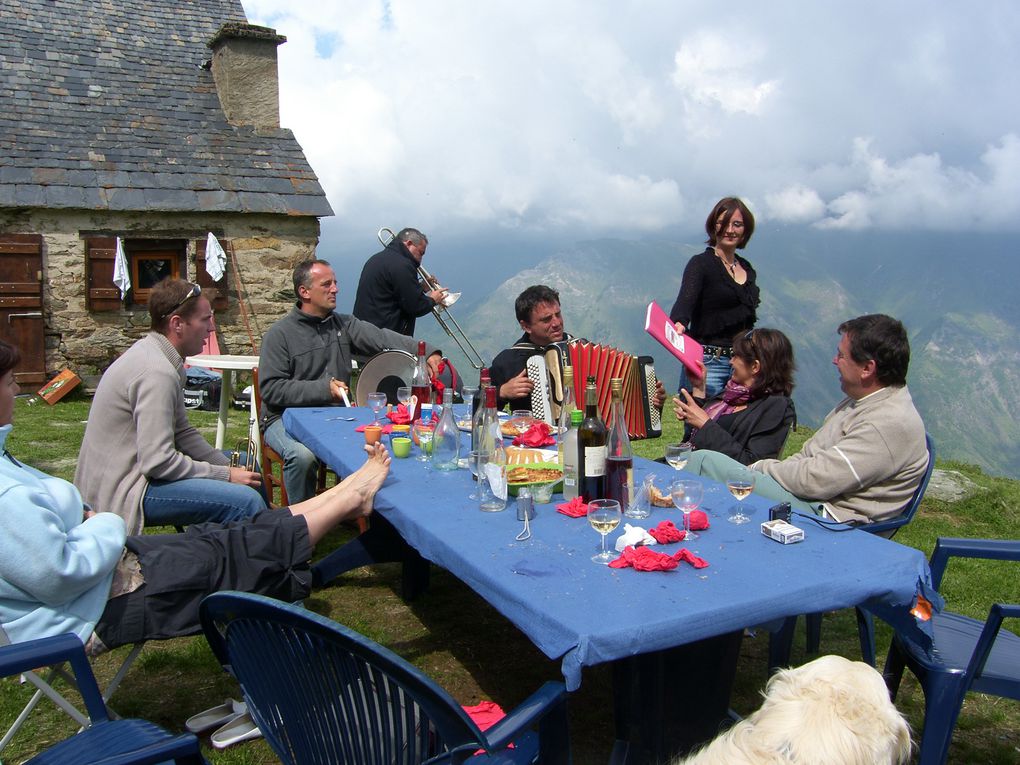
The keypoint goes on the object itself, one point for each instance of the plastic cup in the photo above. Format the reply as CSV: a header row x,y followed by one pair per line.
x,y
372,434
401,446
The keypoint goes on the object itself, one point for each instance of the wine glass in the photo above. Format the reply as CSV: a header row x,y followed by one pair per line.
x,y
423,430
687,496
468,393
604,516
404,396
741,484
473,467
377,401
678,454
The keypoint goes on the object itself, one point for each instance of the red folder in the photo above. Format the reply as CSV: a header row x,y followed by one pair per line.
x,y
685,348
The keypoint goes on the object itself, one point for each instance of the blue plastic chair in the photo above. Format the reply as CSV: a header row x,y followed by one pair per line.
x,y
322,694
967,654
113,742
779,641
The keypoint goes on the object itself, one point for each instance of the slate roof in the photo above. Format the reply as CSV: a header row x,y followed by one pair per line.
x,y
105,105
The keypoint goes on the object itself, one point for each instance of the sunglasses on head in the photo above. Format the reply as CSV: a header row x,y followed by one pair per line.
x,y
195,291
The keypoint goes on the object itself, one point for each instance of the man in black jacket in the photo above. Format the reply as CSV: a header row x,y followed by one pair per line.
x,y
389,293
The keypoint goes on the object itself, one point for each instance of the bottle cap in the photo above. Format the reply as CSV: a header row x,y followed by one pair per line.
x,y
616,386
576,417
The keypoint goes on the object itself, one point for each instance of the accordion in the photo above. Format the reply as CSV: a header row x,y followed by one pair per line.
x,y
603,363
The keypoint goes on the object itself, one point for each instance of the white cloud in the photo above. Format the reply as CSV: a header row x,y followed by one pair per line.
x,y
637,116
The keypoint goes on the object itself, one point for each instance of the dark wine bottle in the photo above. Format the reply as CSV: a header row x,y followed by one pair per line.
x,y
591,448
619,456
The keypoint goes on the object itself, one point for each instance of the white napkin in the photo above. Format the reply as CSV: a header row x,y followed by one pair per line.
x,y
633,536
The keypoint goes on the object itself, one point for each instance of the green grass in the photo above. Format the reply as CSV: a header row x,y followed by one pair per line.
x,y
472,651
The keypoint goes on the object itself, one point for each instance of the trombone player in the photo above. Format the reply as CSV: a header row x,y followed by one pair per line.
x,y
389,294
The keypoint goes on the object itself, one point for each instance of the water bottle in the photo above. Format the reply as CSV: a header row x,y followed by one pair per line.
x,y
446,438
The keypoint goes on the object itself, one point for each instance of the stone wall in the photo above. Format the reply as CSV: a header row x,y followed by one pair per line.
x,y
267,248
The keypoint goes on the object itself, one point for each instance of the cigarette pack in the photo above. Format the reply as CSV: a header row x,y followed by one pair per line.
x,y
783,532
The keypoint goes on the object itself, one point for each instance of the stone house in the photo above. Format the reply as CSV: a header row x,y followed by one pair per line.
x,y
156,123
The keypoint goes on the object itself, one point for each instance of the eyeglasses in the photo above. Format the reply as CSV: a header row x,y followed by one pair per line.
x,y
195,291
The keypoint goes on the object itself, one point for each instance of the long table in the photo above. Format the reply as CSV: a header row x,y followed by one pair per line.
x,y
585,614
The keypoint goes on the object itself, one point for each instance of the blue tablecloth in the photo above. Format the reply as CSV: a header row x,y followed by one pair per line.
x,y
586,613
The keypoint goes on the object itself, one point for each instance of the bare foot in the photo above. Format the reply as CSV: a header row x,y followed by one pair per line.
x,y
367,479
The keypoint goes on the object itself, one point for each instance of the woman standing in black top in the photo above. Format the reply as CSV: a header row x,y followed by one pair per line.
x,y
718,296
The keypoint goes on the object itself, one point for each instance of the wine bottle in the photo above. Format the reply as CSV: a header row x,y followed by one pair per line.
x,y
566,407
492,487
619,456
591,448
479,400
569,442
421,383
446,437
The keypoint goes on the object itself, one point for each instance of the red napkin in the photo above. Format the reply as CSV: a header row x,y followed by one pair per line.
x,y
699,520
575,508
538,434
646,559
667,532
399,416
386,428
485,714
683,554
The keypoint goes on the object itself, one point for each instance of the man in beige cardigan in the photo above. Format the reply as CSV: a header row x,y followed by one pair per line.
x,y
140,457
865,461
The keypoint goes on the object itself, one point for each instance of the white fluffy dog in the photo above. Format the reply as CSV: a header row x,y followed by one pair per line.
x,y
831,711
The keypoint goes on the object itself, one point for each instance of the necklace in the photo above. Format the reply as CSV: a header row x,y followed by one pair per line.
x,y
732,267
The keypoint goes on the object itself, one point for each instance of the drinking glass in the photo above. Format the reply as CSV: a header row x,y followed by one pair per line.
x,y
687,496
604,516
473,467
741,484
492,487
404,395
424,433
377,401
678,454
468,393
522,419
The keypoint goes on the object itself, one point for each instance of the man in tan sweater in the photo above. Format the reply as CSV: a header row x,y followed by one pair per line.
x,y
869,455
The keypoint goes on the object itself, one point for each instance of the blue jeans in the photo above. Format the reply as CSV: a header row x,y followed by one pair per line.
x,y
717,372
300,466
199,500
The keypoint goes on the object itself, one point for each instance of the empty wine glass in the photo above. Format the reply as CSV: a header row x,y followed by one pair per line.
x,y
404,395
604,516
741,484
377,401
678,454
686,495
473,467
468,393
423,431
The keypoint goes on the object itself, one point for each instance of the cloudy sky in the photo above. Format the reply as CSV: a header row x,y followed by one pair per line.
x,y
579,118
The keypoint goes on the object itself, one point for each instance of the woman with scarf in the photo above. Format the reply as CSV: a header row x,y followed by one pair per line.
x,y
752,417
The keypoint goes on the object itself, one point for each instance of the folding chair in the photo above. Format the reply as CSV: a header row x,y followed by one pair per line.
x,y
779,641
102,739
322,694
44,687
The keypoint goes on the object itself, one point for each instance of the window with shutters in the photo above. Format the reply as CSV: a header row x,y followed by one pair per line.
x,y
149,262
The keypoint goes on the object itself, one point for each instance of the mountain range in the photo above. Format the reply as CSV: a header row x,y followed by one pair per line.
x,y
954,292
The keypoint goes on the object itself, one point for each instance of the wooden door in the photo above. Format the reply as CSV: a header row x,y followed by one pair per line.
x,y
21,311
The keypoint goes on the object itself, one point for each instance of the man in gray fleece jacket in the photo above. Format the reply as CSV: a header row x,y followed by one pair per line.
x,y
865,461
306,361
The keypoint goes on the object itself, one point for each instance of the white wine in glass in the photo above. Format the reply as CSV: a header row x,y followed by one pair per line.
x,y
677,455
604,516
740,484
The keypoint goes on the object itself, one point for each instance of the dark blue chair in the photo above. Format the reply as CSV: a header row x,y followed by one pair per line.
x,y
967,654
779,641
113,742
322,694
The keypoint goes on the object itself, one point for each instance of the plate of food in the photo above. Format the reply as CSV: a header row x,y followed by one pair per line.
x,y
533,468
464,424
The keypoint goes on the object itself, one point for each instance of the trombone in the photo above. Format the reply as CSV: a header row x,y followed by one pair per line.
x,y
440,311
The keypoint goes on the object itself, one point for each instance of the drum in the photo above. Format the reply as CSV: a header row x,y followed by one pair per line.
x,y
384,372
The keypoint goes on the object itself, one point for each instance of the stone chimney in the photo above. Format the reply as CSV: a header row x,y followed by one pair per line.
x,y
245,72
